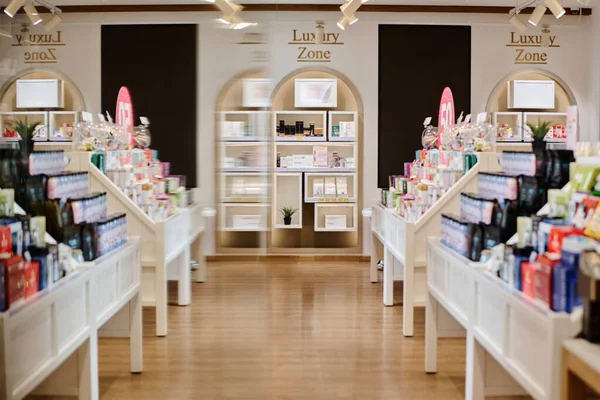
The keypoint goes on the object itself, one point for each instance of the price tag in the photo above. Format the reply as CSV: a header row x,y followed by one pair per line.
x,y
460,118
101,117
468,118
144,121
427,121
481,117
109,117
85,116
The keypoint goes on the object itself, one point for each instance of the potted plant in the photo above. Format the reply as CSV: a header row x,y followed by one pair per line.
x,y
539,132
26,131
287,213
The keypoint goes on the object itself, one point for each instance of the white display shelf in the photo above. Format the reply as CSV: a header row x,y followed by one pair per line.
x,y
257,124
166,245
244,169
520,334
343,150
335,117
403,247
306,116
287,193
309,197
513,119
249,188
56,117
253,217
349,210
40,337
315,169
243,139
556,118
31,117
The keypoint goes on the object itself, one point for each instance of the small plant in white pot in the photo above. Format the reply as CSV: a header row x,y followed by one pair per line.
x,y
287,213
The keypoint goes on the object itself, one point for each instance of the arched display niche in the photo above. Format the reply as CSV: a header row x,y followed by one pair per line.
x,y
231,237
497,102
74,100
289,189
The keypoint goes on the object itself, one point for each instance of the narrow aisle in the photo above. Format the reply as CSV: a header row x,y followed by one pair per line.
x,y
283,330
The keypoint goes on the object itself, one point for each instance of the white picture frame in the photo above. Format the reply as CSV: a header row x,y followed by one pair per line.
x,y
315,93
257,92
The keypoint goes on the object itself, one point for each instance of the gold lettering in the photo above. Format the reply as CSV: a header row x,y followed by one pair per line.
x,y
296,39
27,56
327,54
52,54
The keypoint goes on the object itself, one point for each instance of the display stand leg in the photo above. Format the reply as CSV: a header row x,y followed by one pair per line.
x,y
374,258
475,379
573,387
184,284
408,292
136,334
388,278
87,359
431,334
161,298
198,255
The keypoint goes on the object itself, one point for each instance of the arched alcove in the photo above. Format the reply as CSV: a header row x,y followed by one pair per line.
x,y
308,233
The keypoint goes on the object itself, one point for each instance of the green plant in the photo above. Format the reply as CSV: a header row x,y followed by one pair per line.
x,y
24,129
287,212
540,130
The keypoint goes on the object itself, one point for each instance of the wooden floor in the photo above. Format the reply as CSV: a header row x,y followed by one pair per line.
x,y
283,331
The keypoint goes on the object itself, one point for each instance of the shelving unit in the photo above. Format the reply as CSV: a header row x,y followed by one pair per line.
x,y
310,197
242,126
335,117
342,217
290,117
56,118
523,336
514,120
49,343
557,118
31,117
403,243
244,217
288,194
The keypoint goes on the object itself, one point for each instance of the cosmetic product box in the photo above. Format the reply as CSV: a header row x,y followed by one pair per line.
x,y
584,178
457,234
47,162
544,269
557,235
558,201
5,242
3,286
528,279
302,161
32,278
588,286
519,256
497,186
15,279
7,202
518,163
543,232
42,256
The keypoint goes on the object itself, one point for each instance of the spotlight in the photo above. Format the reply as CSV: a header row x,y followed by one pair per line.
x,y
363,1
342,23
13,7
350,7
228,7
555,7
242,25
319,33
537,14
517,23
352,18
32,13
545,42
53,22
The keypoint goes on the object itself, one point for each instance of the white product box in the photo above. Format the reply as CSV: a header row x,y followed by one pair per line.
x,y
320,156
228,162
246,221
350,162
286,162
302,160
255,191
233,128
347,129
335,221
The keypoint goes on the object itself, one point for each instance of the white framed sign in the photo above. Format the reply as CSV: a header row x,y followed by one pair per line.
x,y
257,92
315,93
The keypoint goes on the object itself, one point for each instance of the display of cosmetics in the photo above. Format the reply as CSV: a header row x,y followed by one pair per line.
x,y
47,162
299,128
146,181
110,233
90,208
73,184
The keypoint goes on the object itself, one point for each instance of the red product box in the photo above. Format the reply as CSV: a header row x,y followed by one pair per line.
x,y
32,278
557,236
5,242
543,277
15,286
528,279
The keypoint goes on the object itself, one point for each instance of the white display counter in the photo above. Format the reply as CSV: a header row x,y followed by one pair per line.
x,y
522,335
402,244
167,246
52,338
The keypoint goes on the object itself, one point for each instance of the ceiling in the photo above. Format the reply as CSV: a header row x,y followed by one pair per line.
x,y
508,3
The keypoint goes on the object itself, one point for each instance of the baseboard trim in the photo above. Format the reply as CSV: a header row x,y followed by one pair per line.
x,y
279,257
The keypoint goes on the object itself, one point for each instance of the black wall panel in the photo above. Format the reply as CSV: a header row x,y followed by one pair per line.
x,y
416,63
158,65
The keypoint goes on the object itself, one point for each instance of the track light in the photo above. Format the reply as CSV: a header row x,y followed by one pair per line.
x,y
556,8
32,13
53,22
342,23
352,18
537,14
363,1
228,7
517,23
319,33
242,25
13,7
350,7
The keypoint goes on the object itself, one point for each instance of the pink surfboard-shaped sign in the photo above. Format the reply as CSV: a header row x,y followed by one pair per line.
x,y
446,115
124,112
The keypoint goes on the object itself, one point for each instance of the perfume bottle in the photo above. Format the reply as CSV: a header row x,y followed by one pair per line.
x,y
312,129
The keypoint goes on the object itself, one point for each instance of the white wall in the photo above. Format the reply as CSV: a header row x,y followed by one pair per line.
x,y
221,59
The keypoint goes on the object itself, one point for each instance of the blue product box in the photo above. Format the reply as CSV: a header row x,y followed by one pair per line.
x,y
564,288
43,280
